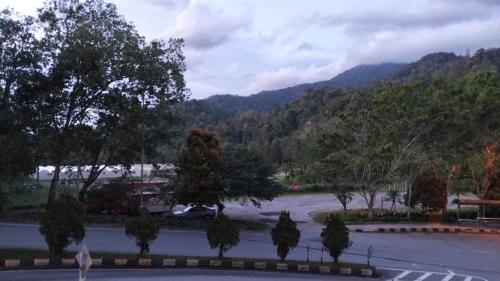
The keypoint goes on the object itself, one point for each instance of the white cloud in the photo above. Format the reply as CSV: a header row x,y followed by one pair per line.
x,y
291,75
204,26
409,45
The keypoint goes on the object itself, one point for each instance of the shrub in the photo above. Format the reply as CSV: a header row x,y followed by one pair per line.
x,y
429,191
285,235
62,224
144,228
222,233
335,237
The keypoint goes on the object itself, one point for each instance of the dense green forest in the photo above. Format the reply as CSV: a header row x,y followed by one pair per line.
x,y
439,113
284,131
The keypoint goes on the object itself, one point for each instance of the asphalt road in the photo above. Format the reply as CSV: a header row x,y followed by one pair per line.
x,y
163,275
475,255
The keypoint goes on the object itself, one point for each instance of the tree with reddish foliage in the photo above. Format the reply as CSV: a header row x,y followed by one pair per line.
x,y
429,191
199,169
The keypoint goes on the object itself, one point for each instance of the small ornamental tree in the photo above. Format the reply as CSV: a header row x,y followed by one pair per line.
x,y
285,234
429,192
144,229
222,233
335,237
63,224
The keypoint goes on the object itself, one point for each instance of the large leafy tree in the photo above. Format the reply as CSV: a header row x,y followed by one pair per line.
x,y
199,170
374,137
248,176
18,60
98,82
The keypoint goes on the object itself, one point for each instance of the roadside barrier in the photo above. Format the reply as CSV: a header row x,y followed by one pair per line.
x,y
205,262
427,230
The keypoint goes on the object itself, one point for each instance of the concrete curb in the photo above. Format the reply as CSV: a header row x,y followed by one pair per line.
x,y
426,230
187,262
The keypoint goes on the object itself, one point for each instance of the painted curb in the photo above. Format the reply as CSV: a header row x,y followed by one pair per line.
x,y
259,265
68,262
187,262
12,263
41,262
169,262
427,230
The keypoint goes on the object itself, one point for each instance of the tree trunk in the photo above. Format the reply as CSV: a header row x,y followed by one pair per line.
x,y
220,207
81,193
371,204
221,251
53,186
336,259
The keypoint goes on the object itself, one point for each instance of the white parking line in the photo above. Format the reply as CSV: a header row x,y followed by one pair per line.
x,y
426,274
402,275
448,277
423,277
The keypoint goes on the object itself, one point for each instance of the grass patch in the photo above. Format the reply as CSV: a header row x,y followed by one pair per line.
x,y
386,216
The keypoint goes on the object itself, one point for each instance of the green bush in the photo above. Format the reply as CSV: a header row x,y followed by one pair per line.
x,y
144,229
335,237
62,224
222,233
285,235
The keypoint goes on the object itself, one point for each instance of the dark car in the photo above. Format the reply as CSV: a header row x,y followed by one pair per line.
x,y
196,212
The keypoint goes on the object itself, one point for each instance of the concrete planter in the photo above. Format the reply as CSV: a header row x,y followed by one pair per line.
x,y
193,263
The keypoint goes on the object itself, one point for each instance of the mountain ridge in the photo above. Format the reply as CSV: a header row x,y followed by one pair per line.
x,y
264,101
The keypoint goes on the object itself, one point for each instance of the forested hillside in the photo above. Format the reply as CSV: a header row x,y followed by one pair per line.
x,y
221,111
265,101
288,134
286,131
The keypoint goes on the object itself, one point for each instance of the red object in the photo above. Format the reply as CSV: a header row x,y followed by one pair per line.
x,y
296,186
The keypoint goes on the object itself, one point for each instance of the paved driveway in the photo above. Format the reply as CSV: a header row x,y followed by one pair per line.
x,y
301,206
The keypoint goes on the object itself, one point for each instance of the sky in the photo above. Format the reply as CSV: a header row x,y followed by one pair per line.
x,y
242,47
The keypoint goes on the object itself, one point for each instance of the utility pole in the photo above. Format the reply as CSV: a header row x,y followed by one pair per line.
x,y
142,151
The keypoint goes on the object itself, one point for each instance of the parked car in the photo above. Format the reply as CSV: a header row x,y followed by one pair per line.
x,y
196,212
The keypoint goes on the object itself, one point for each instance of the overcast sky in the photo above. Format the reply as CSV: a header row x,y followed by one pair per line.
x,y
242,47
